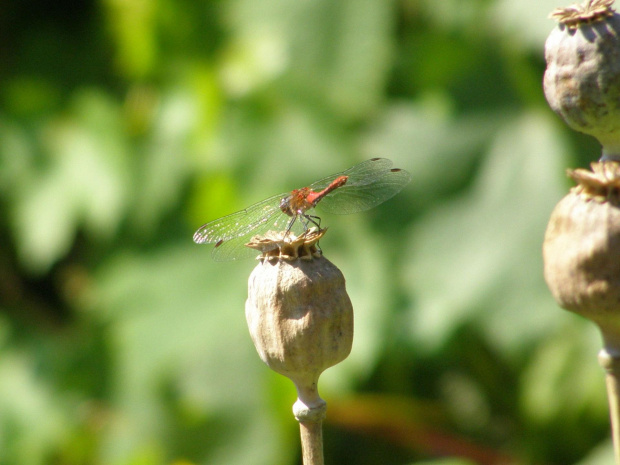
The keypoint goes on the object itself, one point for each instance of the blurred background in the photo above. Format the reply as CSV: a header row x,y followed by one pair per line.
x,y
126,124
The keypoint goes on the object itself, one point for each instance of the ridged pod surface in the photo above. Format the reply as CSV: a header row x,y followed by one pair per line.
x,y
581,250
582,79
298,311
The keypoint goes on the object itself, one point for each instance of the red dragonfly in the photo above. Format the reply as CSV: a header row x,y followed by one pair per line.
x,y
359,188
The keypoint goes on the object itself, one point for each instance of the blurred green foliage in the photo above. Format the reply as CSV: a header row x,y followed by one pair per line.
x,y
126,125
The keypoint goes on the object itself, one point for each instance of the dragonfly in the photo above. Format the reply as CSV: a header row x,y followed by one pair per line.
x,y
360,188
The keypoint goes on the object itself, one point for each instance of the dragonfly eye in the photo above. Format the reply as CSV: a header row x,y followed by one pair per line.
x,y
285,205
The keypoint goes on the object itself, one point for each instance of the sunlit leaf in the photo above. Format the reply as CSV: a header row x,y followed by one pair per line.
x,y
83,183
601,455
132,26
426,138
525,24
33,424
472,258
339,51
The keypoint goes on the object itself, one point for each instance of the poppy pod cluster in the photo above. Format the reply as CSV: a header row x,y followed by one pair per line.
x,y
581,249
582,84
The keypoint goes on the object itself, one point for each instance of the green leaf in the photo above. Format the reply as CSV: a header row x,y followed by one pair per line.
x,y
337,51
83,183
477,258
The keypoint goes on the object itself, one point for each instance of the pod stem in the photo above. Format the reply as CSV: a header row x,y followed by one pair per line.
x,y
310,416
609,359
311,433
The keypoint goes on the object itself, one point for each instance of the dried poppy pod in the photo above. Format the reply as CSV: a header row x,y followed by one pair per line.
x,y
581,255
582,79
582,247
301,322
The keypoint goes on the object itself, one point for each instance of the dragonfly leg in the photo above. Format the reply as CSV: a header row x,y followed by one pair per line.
x,y
290,225
316,220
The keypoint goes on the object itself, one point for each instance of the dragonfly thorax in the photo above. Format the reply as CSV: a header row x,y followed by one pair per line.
x,y
297,202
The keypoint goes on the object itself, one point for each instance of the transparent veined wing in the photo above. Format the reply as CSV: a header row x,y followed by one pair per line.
x,y
369,184
241,223
363,173
234,248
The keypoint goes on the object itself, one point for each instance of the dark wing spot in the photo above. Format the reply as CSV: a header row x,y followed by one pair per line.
x,y
375,159
395,170
220,242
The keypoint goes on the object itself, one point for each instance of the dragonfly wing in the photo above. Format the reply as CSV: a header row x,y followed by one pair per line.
x,y
241,223
234,248
363,173
357,197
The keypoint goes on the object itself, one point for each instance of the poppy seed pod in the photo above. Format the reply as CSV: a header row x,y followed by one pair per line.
x,y
581,250
581,255
298,311
301,322
582,79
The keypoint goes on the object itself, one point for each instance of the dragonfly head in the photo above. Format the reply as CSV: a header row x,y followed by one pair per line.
x,y
285,205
